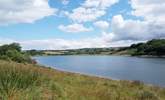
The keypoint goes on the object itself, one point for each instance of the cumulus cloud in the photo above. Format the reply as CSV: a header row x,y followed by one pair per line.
x,y
74,28
91,10
151,10
82,14
135,29
24,11
102,24
123,31
152,26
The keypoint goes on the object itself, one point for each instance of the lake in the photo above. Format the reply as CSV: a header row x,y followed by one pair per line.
x,y
147,70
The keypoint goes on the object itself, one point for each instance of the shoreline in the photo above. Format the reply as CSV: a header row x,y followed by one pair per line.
x,y
124,55
56,84
98,76
101,76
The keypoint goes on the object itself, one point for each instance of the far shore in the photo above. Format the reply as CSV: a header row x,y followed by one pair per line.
x,y
125,55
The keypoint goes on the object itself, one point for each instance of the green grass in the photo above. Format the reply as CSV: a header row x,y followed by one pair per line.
x,y
33,82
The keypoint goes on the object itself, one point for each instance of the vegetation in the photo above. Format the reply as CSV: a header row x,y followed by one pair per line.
x,y
20,80
12,52
15,78
88,51
32,82
34,52
155,47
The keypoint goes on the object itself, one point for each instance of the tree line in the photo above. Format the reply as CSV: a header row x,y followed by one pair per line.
x,y
13,52
155,47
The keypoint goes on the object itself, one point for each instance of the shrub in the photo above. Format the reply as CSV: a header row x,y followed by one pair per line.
x,y
13,52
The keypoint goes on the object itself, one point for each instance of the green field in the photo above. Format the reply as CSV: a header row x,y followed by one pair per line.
x,y
32,82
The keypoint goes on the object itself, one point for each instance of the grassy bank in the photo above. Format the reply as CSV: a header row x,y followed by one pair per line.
x,y
32,82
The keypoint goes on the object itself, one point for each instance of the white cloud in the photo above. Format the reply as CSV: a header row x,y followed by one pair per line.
x,y
61,44
102,24
101,4
82,14
124,31
24,11
135,29
90,10
153,25
74,28
151,10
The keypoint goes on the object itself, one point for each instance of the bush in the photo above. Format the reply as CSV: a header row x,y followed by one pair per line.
x,y
13,52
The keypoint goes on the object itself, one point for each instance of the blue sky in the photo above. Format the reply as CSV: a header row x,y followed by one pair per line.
x,y
66,24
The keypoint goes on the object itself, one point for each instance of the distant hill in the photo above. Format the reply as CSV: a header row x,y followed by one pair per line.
x,y
83,51
155,47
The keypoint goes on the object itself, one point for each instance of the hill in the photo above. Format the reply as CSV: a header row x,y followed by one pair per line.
x,y
155,47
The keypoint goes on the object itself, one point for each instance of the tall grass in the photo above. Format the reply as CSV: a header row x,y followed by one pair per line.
x,y
31,82
15,78
28,82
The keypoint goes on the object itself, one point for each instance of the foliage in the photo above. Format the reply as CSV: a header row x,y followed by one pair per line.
x,y
34,52
89,51
152,47
13,52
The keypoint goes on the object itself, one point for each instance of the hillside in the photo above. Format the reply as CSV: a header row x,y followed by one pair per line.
x,y
32,82
155,47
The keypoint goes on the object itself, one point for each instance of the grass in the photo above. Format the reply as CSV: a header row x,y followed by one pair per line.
x,y
33,82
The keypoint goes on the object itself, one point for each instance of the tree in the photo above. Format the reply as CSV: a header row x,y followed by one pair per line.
x,y
13,52
152,47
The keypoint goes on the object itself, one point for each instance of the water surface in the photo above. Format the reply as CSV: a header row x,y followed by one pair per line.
x,y
148,70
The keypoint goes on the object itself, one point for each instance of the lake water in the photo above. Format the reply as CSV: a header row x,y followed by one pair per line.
x,y
148,70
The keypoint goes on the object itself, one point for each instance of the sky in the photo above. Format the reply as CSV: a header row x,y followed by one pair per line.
x,y
72,24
